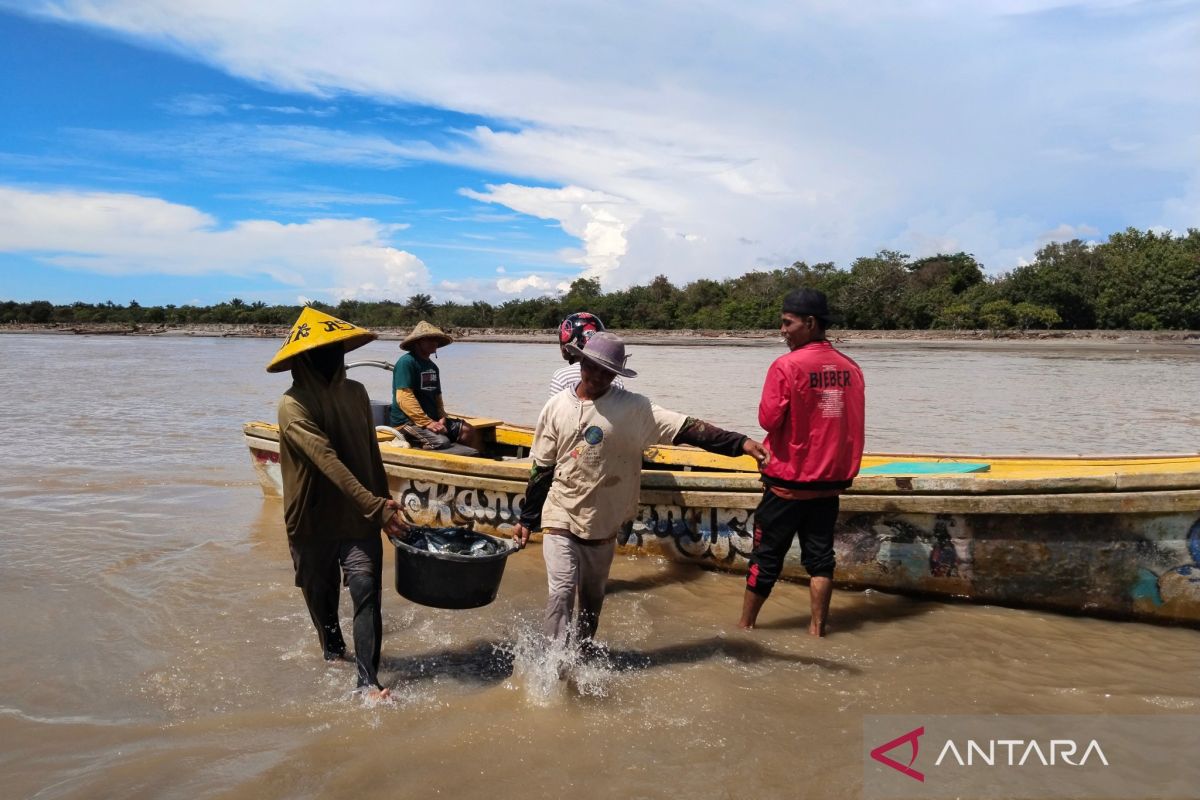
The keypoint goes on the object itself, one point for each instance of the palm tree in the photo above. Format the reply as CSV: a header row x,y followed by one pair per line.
x,y
421,305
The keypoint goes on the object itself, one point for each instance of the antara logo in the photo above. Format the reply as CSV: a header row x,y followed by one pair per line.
x,y
911,738
1060,751
991,752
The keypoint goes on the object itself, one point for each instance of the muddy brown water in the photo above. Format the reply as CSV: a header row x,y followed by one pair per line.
x,y
154,646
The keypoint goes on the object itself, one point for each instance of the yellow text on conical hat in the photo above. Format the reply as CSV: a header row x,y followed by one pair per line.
x,y
313,329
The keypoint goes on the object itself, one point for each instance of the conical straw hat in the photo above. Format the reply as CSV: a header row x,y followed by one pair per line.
x,y
313,329
425,330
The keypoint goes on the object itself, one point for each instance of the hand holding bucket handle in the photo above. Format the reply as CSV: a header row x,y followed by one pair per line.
x,y
520,536
394,524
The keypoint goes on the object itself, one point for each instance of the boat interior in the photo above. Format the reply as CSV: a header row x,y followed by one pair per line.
x,y
508,442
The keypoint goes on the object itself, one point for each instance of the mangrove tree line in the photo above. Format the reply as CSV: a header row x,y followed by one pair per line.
x,y
1142,280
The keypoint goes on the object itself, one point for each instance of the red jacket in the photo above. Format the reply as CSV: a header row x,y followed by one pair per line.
x,y
812,408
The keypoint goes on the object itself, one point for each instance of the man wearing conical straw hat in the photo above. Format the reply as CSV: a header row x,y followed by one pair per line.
x,y
417,408
335,491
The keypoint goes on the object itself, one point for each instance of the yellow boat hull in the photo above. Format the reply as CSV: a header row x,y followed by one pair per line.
x,y
1115,536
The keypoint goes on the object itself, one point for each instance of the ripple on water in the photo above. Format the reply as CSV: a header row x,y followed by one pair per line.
x,y
145,578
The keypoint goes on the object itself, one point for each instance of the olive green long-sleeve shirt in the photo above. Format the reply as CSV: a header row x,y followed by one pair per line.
x,y
334,486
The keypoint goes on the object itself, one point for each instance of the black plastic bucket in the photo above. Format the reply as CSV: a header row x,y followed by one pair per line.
x,y
449,580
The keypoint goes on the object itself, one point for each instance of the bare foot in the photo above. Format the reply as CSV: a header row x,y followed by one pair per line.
x,y
751,604
373,694
818,630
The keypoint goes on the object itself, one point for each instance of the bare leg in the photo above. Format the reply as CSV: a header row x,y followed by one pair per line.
x,y
751,604
820,590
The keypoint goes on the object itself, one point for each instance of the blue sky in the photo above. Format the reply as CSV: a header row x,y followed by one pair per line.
x,y
190,151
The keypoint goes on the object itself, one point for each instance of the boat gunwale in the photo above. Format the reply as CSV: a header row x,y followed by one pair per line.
x,y
969,485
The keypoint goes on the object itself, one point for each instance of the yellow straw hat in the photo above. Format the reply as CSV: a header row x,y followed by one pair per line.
x,y
314,329
425,330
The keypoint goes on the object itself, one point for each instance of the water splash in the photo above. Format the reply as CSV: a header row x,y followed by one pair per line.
x,y
551,671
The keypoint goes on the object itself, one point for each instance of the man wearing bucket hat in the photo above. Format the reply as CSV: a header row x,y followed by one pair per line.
x,y
576,329
335,492
812,408
587,459
417,408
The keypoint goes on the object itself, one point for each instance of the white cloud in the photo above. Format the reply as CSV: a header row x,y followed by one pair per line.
x,y
1066,233
997,243
599,220
708,139
233,147
371,272
122,234
315,145
523,285
1182,211
310,111
319,197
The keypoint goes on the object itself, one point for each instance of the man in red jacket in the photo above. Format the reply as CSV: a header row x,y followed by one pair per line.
x,y
812,409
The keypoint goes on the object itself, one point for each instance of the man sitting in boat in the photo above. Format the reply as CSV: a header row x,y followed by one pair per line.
x,y
335,492
587,462
812,409
575,330
417,409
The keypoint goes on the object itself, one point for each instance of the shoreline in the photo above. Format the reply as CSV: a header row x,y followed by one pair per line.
x,y
1092,340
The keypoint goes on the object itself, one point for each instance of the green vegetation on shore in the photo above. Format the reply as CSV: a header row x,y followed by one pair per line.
x,y
1135,281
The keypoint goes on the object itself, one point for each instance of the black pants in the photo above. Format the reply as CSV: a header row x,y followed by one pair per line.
x,y
776,522
322,566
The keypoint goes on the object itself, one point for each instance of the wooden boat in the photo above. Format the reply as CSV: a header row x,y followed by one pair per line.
x,y
1115,536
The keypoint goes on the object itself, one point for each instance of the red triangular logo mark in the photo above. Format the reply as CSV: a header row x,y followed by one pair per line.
x,y
911,737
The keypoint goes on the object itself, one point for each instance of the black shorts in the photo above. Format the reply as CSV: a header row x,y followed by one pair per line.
x,y
776,523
